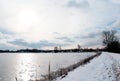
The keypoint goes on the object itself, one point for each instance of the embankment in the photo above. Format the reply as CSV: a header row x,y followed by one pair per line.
x,y
64,71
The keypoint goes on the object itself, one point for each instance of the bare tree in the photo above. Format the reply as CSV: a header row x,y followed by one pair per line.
x,y
55,49
78,46
111,41
109,36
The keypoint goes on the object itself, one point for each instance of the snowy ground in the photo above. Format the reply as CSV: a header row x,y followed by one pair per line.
x,y
106,67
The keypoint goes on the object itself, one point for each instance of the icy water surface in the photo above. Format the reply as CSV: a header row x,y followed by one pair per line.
x,y
27,66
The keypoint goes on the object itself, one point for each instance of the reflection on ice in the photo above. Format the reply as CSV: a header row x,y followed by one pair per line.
x,y
26,66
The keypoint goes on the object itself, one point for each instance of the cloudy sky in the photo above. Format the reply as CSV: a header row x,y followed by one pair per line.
x,y
47,23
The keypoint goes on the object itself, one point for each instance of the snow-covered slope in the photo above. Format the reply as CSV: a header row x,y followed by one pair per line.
x,y
106,67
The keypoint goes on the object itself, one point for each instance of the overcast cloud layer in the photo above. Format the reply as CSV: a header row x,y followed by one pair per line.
x,y
48,23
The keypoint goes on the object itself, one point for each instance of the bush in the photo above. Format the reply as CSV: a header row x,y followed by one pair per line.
x,y
113,47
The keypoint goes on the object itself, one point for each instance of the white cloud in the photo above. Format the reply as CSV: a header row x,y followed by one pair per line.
x,y
35,20
115,1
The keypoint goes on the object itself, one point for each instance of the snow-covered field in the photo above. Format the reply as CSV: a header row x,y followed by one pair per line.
x,y
106,67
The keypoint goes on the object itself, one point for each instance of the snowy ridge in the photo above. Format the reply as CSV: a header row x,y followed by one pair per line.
x,y
106,67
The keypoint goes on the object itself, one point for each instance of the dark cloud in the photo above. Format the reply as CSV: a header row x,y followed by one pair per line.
x,y
82,4
65,39
116,23
88,35
92,43
111,22
111,25
4,46
91,35
42,43
90,39
5,31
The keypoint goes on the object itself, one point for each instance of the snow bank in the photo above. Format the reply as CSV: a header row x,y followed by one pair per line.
x,y
106,67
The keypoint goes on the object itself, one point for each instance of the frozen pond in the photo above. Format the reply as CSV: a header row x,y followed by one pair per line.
x,y
27,65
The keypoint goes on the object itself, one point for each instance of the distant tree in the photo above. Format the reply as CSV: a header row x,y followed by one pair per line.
x,y
78,47
55,49
109,36
111,41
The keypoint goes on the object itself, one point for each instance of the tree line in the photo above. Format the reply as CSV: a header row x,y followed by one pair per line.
x,y
110,41
48,51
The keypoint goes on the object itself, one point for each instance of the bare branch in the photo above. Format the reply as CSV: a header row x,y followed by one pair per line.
x,y
109,36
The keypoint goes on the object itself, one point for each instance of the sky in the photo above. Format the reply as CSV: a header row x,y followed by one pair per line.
x,y
43,24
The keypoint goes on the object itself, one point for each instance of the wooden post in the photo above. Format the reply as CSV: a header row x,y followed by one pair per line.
x,y
49,76
16,78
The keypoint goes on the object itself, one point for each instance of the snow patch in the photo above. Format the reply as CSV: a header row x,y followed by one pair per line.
x,y
106,67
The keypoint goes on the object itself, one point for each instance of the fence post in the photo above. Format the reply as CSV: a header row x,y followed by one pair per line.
x,y
49,76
